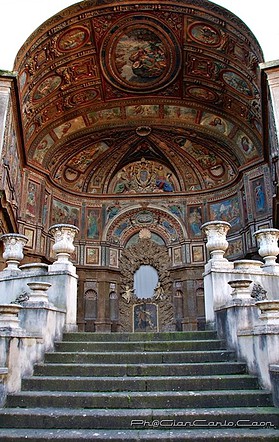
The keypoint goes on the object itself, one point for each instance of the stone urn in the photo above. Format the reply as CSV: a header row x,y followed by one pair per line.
x,y
64,235
9,316
216,233
13,250
268,246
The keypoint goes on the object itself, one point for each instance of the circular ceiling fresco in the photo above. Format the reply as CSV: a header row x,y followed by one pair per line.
x,y
140,54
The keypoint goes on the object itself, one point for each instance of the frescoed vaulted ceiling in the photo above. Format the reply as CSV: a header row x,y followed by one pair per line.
x,y
141,97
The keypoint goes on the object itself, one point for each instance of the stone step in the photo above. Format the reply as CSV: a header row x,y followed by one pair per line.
x,y
32,418
139,346
136,399
146,387
151,383
139,336
178,435
199,369
139,357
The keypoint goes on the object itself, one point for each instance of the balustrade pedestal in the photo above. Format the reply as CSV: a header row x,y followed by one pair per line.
x,y
38,292
9,316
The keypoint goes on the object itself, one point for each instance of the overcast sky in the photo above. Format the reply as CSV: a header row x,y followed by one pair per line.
x,y
19,18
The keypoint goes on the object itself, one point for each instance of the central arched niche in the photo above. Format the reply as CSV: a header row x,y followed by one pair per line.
x,y
145,281
146,253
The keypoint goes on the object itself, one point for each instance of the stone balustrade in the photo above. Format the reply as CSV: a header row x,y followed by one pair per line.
x,y
37,303
242,302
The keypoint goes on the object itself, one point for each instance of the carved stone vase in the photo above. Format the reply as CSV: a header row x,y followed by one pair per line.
x,y
64,235
268,247
216,233
13,250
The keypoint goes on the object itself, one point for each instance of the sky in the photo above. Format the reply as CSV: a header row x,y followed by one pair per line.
x,y
19,18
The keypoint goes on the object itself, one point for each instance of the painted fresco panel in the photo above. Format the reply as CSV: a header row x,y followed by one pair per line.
x,y
198,253
145,317
46,87
32,199
45,211
113,258
180,112
69,127
204,33
226,210
194,218
143,110
93,255
42,148
259,196
64,213
93,220
217,123
246,145
235,248
82,160
105,115
111,211
177,256
15,170
73,38
30,233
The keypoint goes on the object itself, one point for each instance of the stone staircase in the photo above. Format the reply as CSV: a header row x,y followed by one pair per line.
x,y
175,386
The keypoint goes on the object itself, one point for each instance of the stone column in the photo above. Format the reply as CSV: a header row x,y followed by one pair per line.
x,y
268,242
13,250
